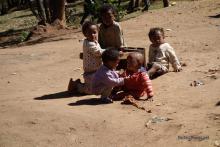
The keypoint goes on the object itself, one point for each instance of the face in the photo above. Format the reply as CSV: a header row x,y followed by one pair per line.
x,y
108,18
157,39
132,63
92,33
113,64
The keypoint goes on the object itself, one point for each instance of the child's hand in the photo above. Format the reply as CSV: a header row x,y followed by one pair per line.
x,y
149,98
126,79
178,69
121,53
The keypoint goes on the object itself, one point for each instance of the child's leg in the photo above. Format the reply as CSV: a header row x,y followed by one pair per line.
x,y
155,67
157,70
105,95
85,88
120,96
71,87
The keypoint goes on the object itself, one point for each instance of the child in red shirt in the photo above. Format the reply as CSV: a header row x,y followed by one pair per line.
x,y
139,84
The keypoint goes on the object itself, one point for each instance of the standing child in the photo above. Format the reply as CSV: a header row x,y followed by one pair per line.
x,y
91,59
110,34
138,84
161,54
106,78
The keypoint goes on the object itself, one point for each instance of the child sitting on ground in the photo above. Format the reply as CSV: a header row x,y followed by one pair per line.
x,y
138,84
160,54
110,33
91,59
106,78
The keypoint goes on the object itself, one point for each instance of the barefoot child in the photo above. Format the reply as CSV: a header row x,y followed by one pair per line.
x,y
138,84
110,34
161,54
91,59
106,78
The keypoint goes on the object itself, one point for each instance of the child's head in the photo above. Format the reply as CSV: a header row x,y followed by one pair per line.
x,y
156,36
90,31
110,58
135,61
107,13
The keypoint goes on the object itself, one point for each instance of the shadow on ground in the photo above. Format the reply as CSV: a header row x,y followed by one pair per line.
x,y
215,16
58,95
218,103
91,101
34,35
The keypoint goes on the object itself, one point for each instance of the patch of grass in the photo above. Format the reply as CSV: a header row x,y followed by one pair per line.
x,y
17,20
155,5
24,19
24,36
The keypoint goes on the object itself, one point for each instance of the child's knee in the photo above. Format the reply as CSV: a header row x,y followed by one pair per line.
x,y
156,66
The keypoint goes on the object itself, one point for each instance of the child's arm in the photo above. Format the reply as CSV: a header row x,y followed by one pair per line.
x,y
95,49
147,85
119,36
101,37
111,81
151,55
173,59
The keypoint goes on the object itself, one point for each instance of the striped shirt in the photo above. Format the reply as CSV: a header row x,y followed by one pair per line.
x,y
138,85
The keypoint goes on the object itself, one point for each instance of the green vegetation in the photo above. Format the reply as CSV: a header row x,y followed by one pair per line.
x,y
24,19
24,36
17,20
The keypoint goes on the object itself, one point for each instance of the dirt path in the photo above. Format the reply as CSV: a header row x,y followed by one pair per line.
x,y
29,118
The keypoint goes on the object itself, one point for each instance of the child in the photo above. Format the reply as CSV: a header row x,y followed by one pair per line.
x,y
91,59
138,84
160,54
110,34
106,77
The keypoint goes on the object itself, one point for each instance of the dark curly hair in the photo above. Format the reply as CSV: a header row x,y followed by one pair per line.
x,y
105,8
153,31
86,26
110,55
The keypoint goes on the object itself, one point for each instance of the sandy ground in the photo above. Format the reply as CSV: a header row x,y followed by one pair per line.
x,y
36,111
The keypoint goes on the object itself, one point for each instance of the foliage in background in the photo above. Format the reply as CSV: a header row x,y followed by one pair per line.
x,y
24,36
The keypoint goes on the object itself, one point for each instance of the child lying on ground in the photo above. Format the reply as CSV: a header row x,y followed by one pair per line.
x,y
160,54
106,78
91,59
138,84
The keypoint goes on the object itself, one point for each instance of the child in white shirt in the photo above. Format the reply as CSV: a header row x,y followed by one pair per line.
x,y
92,53
161,54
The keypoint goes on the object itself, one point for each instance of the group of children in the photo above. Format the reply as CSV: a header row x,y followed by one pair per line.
x,y
101,55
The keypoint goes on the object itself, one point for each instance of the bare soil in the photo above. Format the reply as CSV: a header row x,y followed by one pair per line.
x,y
35,109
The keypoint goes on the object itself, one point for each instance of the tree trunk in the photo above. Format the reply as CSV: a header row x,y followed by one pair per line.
x,y
58,12
166,3
50,11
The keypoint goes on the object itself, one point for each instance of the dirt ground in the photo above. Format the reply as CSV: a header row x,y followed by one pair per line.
x,y
36,111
